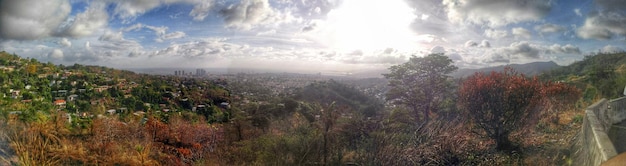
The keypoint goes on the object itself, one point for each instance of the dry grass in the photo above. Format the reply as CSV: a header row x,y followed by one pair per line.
x,y
108,142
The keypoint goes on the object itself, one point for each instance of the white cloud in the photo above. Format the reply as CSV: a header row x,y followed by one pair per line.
x,y
527,50
210,48
311,9
566,49
524,49
437,50
88,45
115,41
549,28
86,23
250,13
603,25
31,19
611,49
520,32
496,13
482,44
578,13
64,42
160,32
173,35
471,43
485,44
454,57
133,27
55,54
135,53
611,5
496,34
128,10
201,10
607,21
111,36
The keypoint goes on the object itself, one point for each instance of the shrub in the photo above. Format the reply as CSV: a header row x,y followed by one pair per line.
x,y
499,103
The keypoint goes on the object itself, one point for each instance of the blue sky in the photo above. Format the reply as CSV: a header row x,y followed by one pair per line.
x,y
308,35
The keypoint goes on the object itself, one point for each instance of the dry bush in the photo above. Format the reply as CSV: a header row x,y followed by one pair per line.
x,y
117,143
44,143
557,98
440,142
181,141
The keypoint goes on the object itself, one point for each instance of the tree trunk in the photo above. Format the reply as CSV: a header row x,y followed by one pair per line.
x,y
503,142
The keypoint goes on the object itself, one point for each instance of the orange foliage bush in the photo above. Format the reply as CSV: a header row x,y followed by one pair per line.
x,y
502,102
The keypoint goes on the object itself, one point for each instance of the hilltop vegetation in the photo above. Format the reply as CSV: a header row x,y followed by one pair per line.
x,y
600,76
530,69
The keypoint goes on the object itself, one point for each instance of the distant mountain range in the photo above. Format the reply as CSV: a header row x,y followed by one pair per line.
x,y
528,69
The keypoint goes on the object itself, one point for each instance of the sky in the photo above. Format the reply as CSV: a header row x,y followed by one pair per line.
x,y
309,35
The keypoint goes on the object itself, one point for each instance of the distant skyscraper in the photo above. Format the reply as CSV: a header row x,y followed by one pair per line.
x,y
200,72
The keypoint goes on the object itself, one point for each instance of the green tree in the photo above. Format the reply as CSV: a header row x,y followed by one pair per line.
x,y
421,84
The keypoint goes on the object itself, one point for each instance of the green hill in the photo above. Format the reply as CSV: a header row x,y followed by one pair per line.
x,y
600,76
30,87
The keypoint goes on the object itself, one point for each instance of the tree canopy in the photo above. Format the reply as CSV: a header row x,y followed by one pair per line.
x,y
421,84
499,102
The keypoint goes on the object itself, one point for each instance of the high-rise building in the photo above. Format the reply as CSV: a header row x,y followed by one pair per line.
x,y
200,72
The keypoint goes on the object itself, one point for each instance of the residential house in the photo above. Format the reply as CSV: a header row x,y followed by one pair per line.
x,y
139,113
123,109
60,103
225,105
14,93
72,97
111,111
62,93
102,88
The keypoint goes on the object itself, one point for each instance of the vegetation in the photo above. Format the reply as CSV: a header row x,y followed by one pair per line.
x,y
502,102
600,76
421,84
90,115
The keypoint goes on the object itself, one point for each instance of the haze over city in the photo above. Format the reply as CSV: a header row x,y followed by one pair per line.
x,y
308,35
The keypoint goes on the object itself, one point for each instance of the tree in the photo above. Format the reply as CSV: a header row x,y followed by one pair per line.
x,y
499,103
421,84
31,69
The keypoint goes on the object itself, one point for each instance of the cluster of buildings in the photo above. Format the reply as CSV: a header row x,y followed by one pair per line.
x,y
199,73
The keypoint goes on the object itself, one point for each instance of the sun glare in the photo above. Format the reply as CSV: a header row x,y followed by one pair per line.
x,y
369,25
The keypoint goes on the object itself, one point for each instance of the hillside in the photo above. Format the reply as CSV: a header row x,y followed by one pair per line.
x,y
599,76
530,69
82,115
341,94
